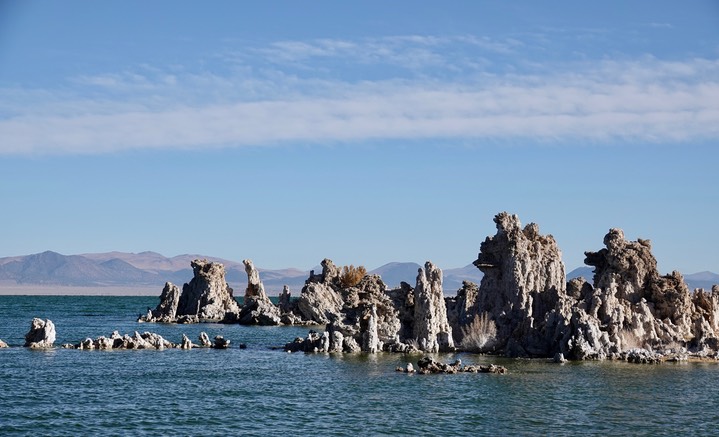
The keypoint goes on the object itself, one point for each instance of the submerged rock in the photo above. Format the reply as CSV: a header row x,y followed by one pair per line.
x,y
146,340
428,365
221,343
41,334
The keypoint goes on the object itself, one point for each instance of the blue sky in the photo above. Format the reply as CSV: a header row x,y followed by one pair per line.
x,y
372,132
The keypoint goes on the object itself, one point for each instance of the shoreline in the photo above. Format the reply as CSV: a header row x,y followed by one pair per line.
x,y
63,290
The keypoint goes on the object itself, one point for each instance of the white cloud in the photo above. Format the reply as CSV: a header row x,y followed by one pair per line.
x,y
644,99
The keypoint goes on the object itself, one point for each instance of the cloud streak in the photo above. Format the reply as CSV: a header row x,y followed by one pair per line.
x,y
643,100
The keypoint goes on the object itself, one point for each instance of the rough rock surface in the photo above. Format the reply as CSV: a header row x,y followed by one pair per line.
x,y
523,283
462,308
631,307
431,328
41,334
629,311
207,297
257,308
403,300
319,301
358,318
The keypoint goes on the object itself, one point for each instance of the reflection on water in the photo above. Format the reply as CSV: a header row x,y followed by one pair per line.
x,y
268,392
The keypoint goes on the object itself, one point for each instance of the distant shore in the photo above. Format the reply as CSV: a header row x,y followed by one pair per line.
x,y
60,290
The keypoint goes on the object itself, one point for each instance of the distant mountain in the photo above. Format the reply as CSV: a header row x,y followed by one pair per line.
x,y
703,280
585,272
453,278
131,270
54,268
395,272
153,269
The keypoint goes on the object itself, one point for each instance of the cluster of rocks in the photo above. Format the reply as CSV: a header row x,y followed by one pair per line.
x,y
365,316
368,317
147,340
628,306
42,336
428,365
523,307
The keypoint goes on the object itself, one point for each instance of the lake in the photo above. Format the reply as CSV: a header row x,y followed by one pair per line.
x,y
261,391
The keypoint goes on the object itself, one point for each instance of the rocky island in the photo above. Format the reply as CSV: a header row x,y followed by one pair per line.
x,y
523,306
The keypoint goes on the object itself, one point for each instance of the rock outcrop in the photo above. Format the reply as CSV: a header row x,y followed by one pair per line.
x,y
628,312
630,306
207,297
523,284
3,344
462,309
431,328
403,301
359,317
41,334
257,308
320,301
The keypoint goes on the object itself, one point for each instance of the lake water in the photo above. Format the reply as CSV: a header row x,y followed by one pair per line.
x,y
260,391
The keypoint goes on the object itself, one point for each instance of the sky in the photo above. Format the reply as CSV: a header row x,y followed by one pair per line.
x,y
365,132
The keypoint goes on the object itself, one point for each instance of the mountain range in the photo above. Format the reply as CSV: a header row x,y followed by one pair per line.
x,y
151,269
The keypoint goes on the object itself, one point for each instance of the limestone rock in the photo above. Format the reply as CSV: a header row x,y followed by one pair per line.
x,y
523,283
632,307
186,343
205,340
207,297
41,334
431,328
319,303
285,300
257,308
370,337
403,301
166,310
462,309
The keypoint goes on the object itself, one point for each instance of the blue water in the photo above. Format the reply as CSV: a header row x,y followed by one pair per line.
x,y
259,391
